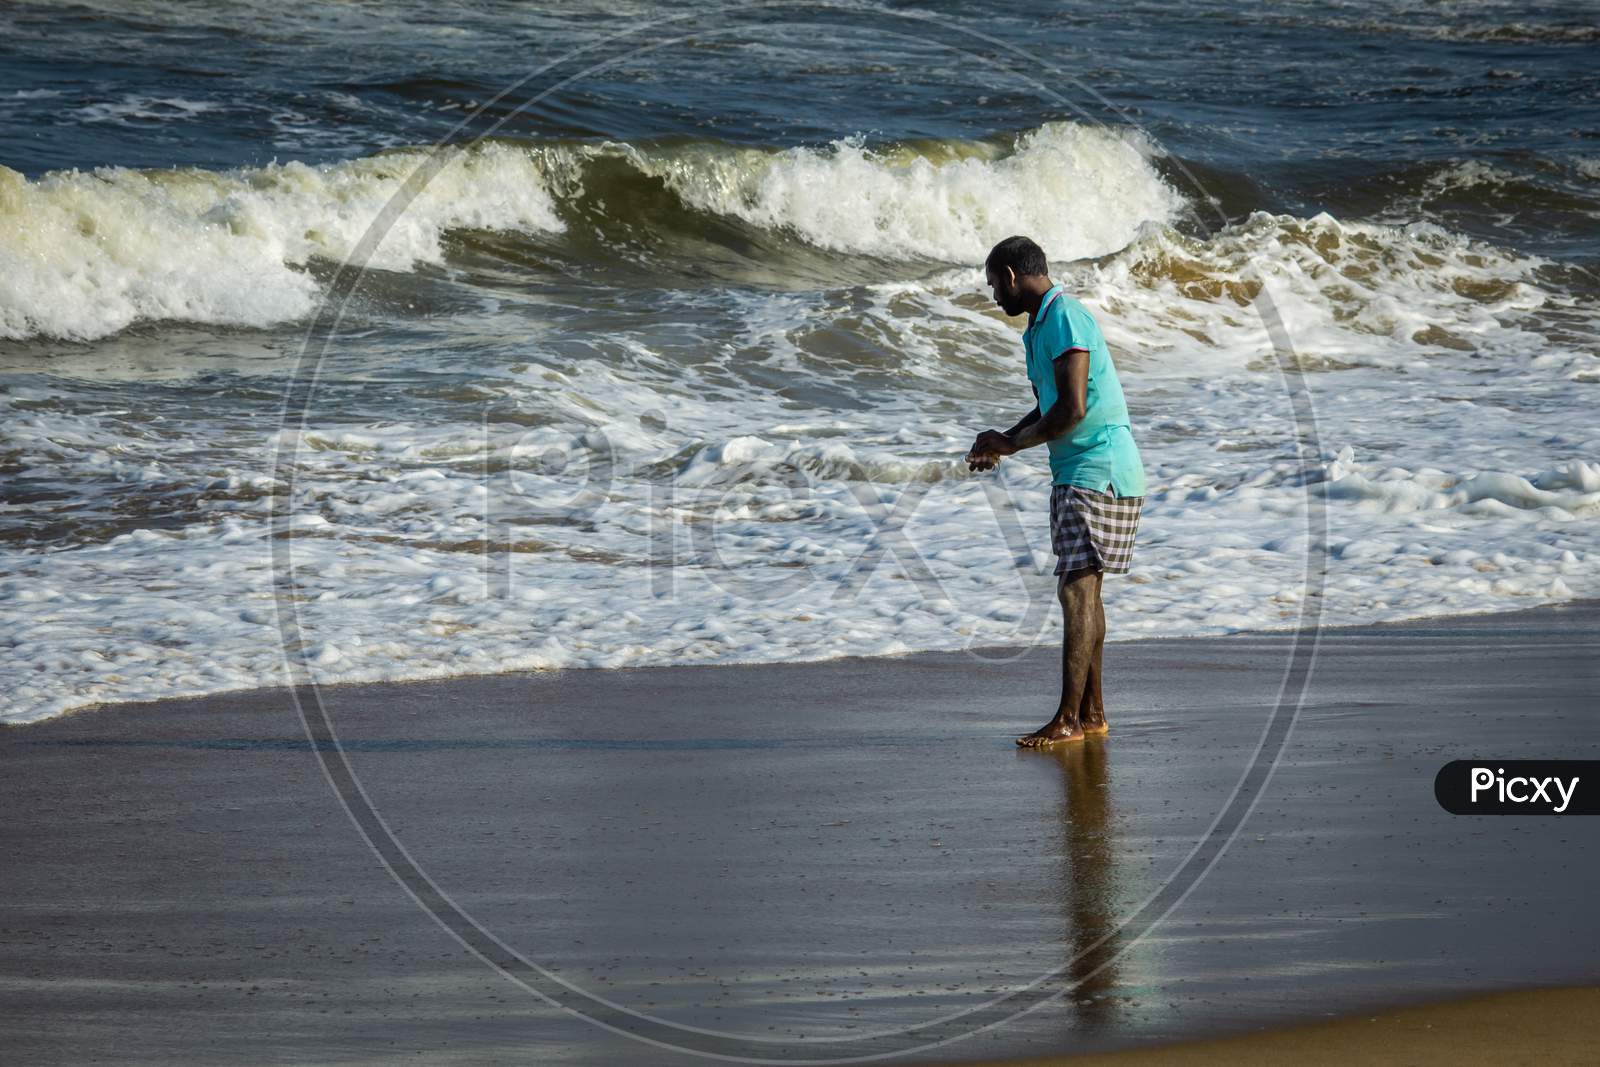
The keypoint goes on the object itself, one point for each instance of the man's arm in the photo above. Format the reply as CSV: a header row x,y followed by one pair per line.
x,y
1023,423
1072,402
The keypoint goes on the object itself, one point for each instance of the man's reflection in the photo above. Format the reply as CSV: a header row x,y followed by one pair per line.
x,y
1088,881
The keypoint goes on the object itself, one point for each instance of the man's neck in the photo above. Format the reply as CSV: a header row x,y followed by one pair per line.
x,y
1033,289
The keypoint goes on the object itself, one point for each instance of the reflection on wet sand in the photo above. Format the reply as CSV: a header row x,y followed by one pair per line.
x,y
1088,881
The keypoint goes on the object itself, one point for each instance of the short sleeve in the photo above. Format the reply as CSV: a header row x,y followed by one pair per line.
x,y
1058,333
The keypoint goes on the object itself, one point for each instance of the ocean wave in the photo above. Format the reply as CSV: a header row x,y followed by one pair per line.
x,y
88,254
1081,191
1474,30
136,109
1522,32
1472,189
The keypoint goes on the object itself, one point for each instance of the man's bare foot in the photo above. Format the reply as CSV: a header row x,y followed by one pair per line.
x,y
1096,725
1054,732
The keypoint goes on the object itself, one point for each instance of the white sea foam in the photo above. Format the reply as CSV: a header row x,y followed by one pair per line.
x,y
1079,190
768,564
136,109
84,255
735,526
1345,293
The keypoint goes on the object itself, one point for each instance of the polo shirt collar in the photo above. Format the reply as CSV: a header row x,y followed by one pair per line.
x,y
1044,302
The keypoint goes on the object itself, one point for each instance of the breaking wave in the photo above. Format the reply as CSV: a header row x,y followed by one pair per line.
x,y
88,254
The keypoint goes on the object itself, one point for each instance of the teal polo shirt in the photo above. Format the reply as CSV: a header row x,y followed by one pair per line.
x,y
1098,453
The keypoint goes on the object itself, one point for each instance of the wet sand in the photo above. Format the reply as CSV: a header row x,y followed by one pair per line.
x,y
797,854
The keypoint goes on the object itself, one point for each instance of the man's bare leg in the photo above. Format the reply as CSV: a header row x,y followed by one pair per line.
x,y
1092,711
1079,595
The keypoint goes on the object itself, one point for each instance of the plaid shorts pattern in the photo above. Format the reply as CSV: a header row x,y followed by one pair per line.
x,y
1094,530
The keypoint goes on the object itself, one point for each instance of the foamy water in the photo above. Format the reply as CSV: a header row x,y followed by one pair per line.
x,y
604,402
86,255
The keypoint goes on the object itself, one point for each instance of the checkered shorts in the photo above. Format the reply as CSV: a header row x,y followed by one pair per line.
x,y
1092,530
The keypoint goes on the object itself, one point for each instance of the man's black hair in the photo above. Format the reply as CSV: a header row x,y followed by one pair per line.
x,y
1020,254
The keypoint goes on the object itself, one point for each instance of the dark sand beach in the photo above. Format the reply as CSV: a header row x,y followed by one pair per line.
x,y
796,852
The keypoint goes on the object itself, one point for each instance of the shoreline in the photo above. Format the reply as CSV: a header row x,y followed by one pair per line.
x,y
796,850
984,651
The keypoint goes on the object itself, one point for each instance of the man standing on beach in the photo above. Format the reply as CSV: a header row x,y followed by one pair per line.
x,y
1097,478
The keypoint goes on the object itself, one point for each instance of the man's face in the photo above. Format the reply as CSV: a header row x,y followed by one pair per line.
x,y
1003,287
